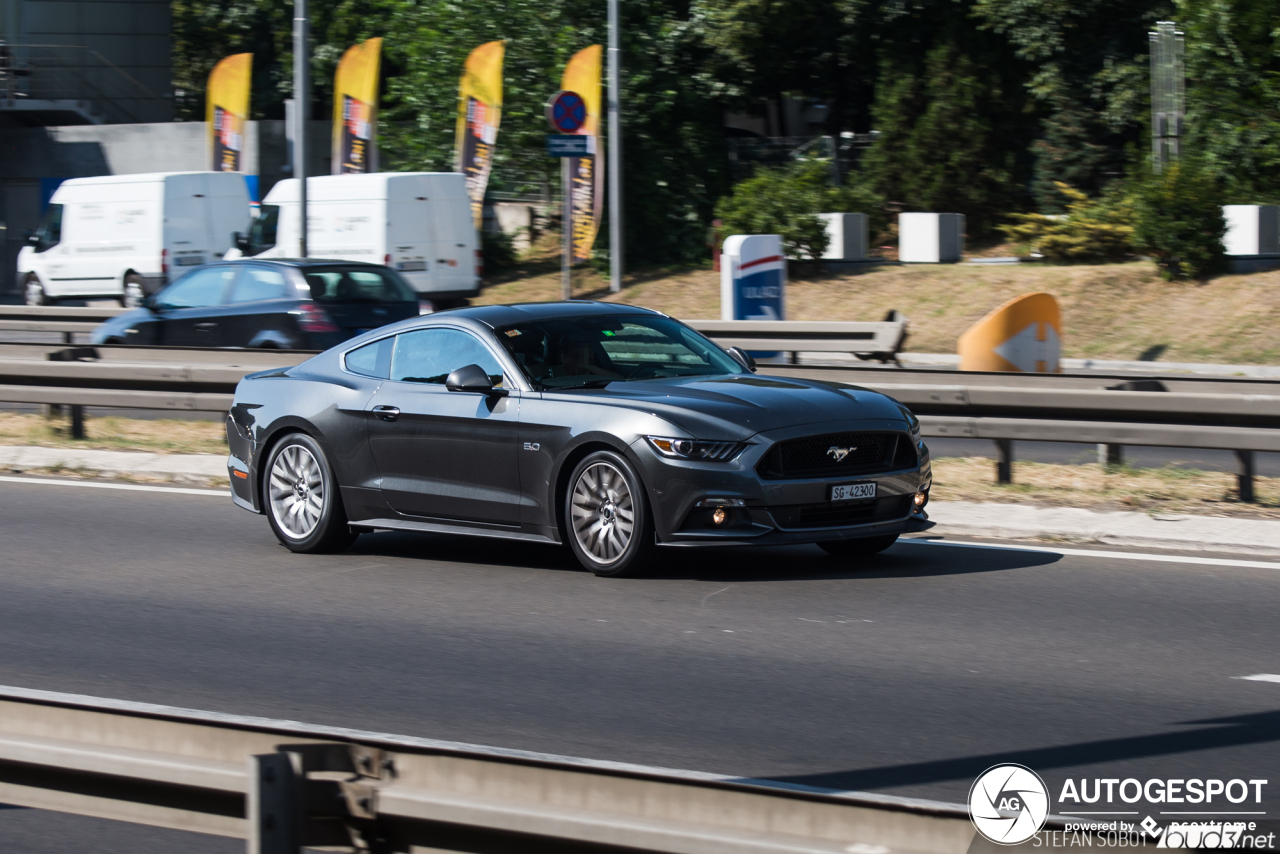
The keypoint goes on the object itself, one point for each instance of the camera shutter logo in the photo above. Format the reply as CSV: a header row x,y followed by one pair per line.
x,y
1008,804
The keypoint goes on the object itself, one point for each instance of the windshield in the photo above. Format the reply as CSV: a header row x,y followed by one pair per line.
x,y
330,286
585,352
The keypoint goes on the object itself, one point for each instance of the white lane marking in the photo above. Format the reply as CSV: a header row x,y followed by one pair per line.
x,y
1260,677
220,493
1203,561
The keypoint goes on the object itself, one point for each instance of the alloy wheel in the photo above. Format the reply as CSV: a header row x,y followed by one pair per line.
x,y
603,514
297,491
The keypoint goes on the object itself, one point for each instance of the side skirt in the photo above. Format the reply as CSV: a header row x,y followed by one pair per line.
x,y
443,528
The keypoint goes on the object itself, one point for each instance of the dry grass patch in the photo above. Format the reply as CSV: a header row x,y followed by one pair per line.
x,y
1110,311
163,436
1160,490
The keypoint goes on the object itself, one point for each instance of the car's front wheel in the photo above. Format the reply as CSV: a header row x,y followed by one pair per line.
x,y
34,292
134,291
607,516
862,547
304,505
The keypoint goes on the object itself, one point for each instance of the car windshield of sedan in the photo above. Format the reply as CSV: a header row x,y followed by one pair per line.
x,y
593,351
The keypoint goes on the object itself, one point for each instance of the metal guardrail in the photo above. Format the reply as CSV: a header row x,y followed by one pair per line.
x,y
881,341
281,785
66,320
1239,415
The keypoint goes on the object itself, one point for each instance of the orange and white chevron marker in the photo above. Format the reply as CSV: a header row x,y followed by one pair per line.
x,y
1024,334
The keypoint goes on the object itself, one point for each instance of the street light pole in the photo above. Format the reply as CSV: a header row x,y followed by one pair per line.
x,y
302,102
615,156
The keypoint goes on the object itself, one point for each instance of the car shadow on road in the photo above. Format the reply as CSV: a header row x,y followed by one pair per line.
x,y
1209,734
782,563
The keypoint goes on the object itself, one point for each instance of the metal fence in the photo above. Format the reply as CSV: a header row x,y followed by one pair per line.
x,y
282,785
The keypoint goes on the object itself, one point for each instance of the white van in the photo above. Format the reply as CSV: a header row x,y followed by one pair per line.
x,y
124,236
418,223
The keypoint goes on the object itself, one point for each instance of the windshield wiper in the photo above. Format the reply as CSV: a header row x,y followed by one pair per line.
x,y
599,382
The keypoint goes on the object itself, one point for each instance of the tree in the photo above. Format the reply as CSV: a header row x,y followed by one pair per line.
x,y
1233,93
950,135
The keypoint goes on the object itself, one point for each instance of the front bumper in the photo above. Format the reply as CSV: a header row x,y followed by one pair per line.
x,y
764,511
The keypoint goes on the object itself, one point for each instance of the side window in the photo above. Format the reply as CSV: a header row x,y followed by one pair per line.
x,y
49,234
371,360
199,288
259,283
430,355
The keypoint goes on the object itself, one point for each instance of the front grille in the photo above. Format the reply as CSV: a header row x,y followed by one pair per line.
x,y
838,515
815,456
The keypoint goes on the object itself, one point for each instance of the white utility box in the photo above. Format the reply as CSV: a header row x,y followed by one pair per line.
x,y
1252,229
846,236
930,238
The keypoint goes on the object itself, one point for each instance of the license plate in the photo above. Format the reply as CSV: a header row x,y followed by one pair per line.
x,y
411,266
190,260
851,491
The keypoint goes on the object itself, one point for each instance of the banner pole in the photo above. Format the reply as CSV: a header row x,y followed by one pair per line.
x,y
302,100
615,156
566,227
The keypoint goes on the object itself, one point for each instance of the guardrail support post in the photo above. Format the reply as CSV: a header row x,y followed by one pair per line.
x,y
1004,460
1244,476
274,804
77,421
1110,455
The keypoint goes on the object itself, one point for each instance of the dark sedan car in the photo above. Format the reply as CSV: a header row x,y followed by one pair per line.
x,y
614,429
306,304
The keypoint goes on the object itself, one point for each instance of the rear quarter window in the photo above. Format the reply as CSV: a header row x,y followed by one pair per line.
x,y
357,286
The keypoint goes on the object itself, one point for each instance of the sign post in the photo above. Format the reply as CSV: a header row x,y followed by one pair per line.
x,y
566,113
753,278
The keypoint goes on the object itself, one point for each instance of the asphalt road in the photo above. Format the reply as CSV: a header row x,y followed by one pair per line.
x,y
909,675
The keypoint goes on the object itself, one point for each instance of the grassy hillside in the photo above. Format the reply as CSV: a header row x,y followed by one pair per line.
x,y
1110,311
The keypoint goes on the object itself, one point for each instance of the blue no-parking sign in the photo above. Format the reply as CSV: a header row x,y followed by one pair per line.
x,y
753,278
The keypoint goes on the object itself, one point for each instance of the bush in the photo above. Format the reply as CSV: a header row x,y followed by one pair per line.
x,y
1099,230
497,250
1179,220
786,201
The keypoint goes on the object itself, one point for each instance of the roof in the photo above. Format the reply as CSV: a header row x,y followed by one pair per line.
x,y
505,315
302,262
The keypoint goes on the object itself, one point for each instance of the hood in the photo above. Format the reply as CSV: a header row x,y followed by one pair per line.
x,y
118,325
737,406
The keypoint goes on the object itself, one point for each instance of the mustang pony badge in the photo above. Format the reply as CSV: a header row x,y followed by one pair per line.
x,y
839,454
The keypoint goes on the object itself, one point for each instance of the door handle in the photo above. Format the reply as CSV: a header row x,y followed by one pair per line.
x,y
205,327
387,413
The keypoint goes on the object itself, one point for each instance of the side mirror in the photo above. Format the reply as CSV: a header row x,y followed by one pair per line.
x,y
32,238
471,378
240,242
743,358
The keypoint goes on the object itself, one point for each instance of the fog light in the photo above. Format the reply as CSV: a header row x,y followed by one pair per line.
x,y
719,516
921,499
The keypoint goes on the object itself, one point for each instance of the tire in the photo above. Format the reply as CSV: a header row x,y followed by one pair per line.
x,y
299,476
34,292
863,547
134,291
606,516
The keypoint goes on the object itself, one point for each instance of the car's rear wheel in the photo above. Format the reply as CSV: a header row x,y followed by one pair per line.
x,y
607,517
304,505
862,547
134,291
34,292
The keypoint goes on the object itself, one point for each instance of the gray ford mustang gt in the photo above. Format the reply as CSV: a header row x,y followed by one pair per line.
x,y
612,428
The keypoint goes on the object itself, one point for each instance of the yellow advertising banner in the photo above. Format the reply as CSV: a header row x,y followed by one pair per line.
x,y
479,113
226,109
586,173
355,108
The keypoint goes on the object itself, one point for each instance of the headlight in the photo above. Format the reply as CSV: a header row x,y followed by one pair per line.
x,y
692,449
